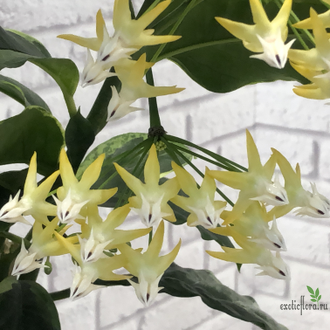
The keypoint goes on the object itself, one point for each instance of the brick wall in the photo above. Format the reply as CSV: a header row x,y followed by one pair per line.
x,y
276,117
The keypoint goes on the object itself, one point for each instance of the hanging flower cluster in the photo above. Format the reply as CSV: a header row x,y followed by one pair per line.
x,y
248,222
115,53
93,246
268,39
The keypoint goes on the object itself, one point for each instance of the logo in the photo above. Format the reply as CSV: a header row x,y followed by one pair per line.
x,y
301,305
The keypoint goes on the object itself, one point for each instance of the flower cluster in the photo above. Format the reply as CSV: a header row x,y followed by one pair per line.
x,y
267,38
248,222
114,56
94,247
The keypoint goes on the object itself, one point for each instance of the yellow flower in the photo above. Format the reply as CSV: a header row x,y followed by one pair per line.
x,y
308,22
133,87
130,35
252,253
150,202
74,194
253,225
148,267
99,235
255,184
264,36
44,244
314,64
311,204
203,209
33,200
88,272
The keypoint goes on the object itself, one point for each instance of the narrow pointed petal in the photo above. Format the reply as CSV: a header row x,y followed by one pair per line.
x,y
152,14
31,178
186,180
66,170
242,31
152,168
156,243
132,182
92,173
259,15
91,43
283,15
252,152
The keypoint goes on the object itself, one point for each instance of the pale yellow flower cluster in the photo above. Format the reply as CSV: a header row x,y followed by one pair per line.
x,y
94,246
115,53
248,222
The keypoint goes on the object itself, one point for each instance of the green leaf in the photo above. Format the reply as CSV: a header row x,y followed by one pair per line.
x,y
180,214
209,236
36,43
20,93
13,180
113,150
62,70
26,305
79,136
317,292
314,300
21,42
213,57
310,289
319,298
313,296
99,112
186,282
32,130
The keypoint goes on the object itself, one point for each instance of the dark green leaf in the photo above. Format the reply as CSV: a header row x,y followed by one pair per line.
x,y
180,214
20,93
62,70
21,42
99,112
186,282
209,236
26,305
310,289
79,136
32,130
13,180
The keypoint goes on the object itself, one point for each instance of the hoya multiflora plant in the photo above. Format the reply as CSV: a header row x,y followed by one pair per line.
x,y
235,43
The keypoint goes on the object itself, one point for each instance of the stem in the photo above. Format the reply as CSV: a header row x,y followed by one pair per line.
x,y
204,158
58,295
122,156
221,159
180,154
150,237
70,105
14,238
138,163
175,26
153,108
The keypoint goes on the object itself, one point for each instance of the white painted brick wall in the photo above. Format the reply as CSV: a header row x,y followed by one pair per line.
x,y
277,118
